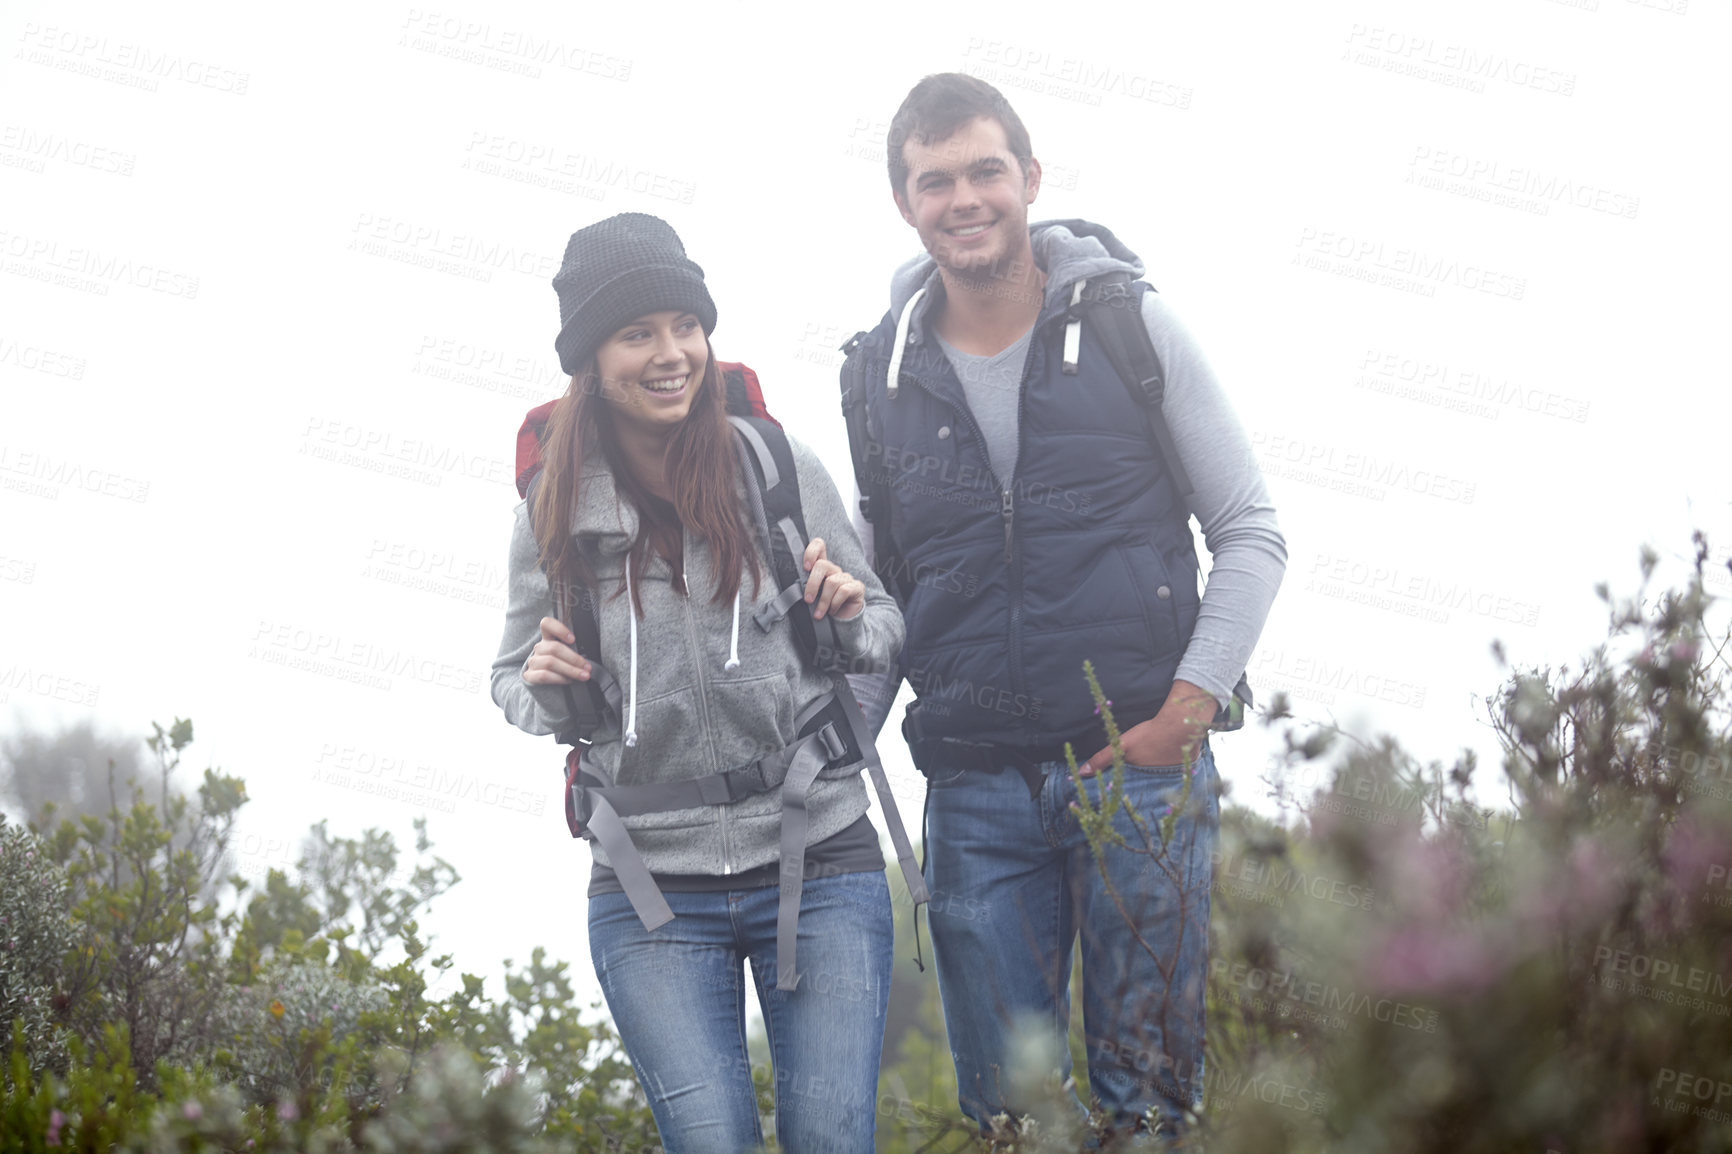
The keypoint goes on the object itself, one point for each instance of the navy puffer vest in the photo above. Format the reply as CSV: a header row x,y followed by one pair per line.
x,y
1085,554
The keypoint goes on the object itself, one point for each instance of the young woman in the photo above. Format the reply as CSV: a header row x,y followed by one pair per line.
x,y
648,509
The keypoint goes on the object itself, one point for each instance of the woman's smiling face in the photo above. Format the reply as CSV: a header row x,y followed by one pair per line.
x,y
652,368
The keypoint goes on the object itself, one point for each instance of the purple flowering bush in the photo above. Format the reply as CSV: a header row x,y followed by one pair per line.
x,y
1420,959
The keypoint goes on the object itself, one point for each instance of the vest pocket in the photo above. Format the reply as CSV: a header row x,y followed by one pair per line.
x,y
1156,595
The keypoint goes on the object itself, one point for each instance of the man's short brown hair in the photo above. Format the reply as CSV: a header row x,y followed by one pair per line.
x,y
938,106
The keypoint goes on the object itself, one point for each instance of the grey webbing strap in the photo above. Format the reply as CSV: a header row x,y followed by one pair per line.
x,y
794,820
766,459
797,591
793,594
634,877
791,534
761,775
818,706
779,606
602,678
911,874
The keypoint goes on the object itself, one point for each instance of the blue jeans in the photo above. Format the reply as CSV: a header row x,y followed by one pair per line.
x,y
1013,883
679,1003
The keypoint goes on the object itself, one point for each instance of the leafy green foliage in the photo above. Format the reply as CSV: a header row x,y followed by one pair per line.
x,y
35,935
153,1004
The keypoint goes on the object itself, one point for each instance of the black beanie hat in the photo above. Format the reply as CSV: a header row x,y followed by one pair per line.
x,y
616,270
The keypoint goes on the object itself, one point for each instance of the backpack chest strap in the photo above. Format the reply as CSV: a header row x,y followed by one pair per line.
x,y
755,777
595,809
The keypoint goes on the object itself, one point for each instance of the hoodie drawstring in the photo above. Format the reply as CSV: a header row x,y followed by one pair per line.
x,y
893,381
733,661
631,708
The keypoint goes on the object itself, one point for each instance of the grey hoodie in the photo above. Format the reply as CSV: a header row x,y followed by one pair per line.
x,y
695,718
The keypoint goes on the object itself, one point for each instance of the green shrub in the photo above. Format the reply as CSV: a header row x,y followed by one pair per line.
x,y
154,1004
36,934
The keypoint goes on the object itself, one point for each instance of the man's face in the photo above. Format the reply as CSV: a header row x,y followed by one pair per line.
x,y
968,199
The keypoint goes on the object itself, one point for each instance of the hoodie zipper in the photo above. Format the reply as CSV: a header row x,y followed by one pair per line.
x,y
703,694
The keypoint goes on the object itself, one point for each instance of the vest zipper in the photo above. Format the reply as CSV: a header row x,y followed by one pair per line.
x,y
1013,559
1007,503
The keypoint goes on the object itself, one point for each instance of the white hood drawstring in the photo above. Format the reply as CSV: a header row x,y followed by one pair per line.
x,y
894,378
733,661
631,707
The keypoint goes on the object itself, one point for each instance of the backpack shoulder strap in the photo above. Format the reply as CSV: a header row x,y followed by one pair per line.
x,y
577,606
1114,307
778,487
876,501
785,526
1114,310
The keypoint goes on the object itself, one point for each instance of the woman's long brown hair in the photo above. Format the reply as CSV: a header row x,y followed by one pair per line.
x,y
702,472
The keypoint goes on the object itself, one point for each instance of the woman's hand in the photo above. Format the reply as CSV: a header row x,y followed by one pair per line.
x,y
553,661
828,588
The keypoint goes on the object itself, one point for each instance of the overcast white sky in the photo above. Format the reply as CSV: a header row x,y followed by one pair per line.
x,y
275,298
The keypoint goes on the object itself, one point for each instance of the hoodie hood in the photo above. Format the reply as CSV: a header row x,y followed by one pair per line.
x,y
602,518
1068,250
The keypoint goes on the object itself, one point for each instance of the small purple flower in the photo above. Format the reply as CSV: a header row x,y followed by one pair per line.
x,y
1433,960
55,1121
192,1111
1109,705
286,1111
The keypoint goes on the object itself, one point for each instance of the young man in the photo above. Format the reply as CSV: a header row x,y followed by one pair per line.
x,y
1019,501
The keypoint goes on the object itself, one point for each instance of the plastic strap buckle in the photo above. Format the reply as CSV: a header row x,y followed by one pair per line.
x,y
778,607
